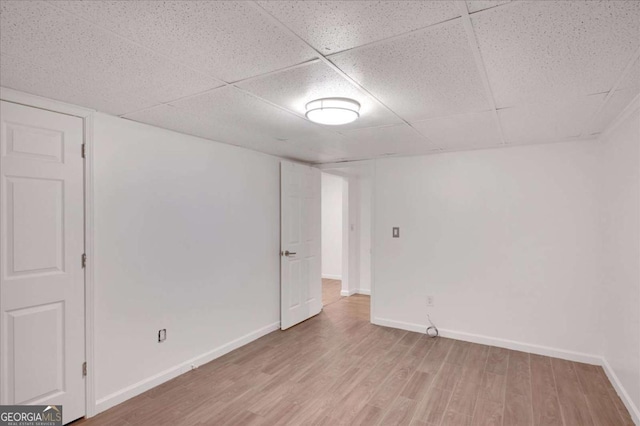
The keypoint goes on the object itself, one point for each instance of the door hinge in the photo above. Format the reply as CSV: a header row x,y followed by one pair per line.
x,y
84,260
84,369
83,151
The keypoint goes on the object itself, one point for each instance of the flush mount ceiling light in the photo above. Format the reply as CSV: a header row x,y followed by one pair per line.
x,y
333,111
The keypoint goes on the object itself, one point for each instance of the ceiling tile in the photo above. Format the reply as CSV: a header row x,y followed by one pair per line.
x,y
632,79
478,5
627,90
51,53
293,88
65,86
461,131
240,116
611,110
295,151
179,120
538,51
231,116
548,122
426,74
383,141
230,40
172,118
333,26
324,152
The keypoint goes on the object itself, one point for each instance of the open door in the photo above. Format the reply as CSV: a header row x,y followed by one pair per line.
x,y
300,273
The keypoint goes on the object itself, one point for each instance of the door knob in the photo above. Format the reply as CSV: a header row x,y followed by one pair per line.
x,y
289,253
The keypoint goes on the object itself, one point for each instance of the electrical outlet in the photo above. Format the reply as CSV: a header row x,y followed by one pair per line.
x,y
430,301
162,335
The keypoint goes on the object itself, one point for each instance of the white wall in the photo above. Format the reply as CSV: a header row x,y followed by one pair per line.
x,y
620,296
332,226
365,209
505,240
351,230
187,237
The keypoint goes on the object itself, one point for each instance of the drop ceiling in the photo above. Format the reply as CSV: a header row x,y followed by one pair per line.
x,y
431,76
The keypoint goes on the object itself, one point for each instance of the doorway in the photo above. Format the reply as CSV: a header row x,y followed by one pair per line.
x,y
332,200
347,207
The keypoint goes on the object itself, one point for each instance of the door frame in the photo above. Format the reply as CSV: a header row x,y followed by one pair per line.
x,y
345,231
87,115
347,170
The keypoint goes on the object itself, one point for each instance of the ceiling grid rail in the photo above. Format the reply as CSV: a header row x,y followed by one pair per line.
x,y
477,55
635,57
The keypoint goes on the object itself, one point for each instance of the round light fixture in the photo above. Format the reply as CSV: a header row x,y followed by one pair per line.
x,y
333,111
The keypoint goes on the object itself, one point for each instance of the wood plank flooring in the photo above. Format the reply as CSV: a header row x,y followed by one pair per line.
x,y
338,369
331,291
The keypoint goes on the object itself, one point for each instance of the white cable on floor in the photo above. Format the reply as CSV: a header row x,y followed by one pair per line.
x,y
432,331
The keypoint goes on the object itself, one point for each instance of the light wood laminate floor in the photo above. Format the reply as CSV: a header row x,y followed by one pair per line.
x,y
331,291
337,368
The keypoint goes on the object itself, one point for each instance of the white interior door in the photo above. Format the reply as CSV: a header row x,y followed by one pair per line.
x,y
42,242
300,262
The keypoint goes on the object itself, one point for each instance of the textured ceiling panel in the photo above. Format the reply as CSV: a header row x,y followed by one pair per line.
x,y
550,65
551,50
241,117
384,141
67,86
292,89
168,117
226,39
632,79
478,5
548,122
614,106
333,26
627,90
51,53
461,131
228,115
426,74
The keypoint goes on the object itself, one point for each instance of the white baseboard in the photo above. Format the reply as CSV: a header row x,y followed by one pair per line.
x,y
352,292
494,341
332,277
418,328
153,381
622,393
